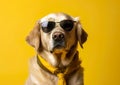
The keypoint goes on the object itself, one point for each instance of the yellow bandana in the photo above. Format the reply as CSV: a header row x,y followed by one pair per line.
x,y
59,73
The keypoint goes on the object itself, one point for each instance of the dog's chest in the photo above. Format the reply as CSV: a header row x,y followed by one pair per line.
x,y
38,76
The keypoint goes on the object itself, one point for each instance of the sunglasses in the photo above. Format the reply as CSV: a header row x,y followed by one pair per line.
x,y
48,26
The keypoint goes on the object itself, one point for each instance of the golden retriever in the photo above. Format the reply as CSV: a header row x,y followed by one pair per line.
x,y
55,39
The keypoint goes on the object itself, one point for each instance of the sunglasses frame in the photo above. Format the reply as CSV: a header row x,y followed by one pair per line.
x,y
46,30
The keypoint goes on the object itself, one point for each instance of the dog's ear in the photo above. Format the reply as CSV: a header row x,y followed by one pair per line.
x,y
81,34
33,38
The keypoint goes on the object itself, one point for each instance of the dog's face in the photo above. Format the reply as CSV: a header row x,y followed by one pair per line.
x,y
57,33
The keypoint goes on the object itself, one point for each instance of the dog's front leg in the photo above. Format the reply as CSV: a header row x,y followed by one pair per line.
x,y
76,78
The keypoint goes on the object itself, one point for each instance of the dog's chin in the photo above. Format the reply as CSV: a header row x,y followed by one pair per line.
x,y
57,49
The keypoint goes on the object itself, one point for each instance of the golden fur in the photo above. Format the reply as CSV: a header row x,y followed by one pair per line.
x,y
60,58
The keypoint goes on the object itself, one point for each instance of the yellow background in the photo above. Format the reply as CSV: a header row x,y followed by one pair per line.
x,y
101,53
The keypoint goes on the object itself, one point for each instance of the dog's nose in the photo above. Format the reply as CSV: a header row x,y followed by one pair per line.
x,y
58,36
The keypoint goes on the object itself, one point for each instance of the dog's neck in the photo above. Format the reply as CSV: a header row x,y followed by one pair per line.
x,y
60,72
75,62
60,60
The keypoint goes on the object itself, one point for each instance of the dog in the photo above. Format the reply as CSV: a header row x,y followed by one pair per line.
x,y
55,38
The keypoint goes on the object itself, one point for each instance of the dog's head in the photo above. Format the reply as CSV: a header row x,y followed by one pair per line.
x,y
56,33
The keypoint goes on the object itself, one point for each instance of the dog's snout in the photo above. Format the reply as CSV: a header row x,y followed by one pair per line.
x,y
58,36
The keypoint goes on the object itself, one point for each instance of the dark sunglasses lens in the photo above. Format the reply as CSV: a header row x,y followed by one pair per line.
x,y
67,25
47,26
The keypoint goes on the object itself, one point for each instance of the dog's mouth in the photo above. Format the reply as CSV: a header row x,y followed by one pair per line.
x,y
58,47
